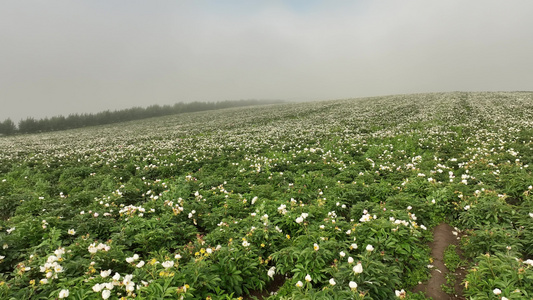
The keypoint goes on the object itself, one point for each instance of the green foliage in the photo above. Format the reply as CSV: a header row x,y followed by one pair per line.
x,y
452,260
324,195
490,239
512,277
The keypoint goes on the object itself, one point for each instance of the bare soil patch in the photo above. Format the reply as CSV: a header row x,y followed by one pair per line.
x,y
442,237
273,286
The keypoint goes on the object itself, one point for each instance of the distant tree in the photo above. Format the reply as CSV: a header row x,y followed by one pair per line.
x,y
7,127
43,125
73,121
58,123
28,126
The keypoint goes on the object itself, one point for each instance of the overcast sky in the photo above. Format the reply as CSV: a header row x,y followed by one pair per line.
x,y
67,56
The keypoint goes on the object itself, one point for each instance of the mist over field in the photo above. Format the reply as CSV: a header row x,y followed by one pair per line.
x,y
63,57
269,150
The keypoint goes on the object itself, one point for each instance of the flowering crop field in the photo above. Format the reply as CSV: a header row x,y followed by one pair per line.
x,y
329,200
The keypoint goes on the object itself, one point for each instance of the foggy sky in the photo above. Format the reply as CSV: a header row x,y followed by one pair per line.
x,y
64,56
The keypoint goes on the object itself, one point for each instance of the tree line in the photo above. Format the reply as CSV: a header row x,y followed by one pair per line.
x,y
32,125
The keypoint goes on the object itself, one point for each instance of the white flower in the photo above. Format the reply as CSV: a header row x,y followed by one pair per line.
x,y
467,207
168,264
106,294
140,264
365,218
10,230
104,274
71,231
504,298
352,285
308,278
332,281
528,262
369,248
130,287
129,260
299,220
245,243
342,254
400,294
116,277
177,256
350,260
316,247
531,215
353,246
92,248
63,294
358,269
271,272
299,284
497,291
209,250
98,287
108,285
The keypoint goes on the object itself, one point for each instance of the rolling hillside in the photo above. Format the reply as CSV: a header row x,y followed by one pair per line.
x,y
322,200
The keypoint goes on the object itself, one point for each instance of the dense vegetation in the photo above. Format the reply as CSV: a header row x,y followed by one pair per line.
x,y
31,125
336,199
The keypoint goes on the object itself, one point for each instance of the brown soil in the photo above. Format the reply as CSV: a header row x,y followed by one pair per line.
x,y
442,237
273,286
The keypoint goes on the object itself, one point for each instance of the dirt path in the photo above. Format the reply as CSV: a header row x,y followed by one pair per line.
x,y
442,237
273,286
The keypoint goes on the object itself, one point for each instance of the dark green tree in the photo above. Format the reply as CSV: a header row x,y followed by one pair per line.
x,y
29,125
7,127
